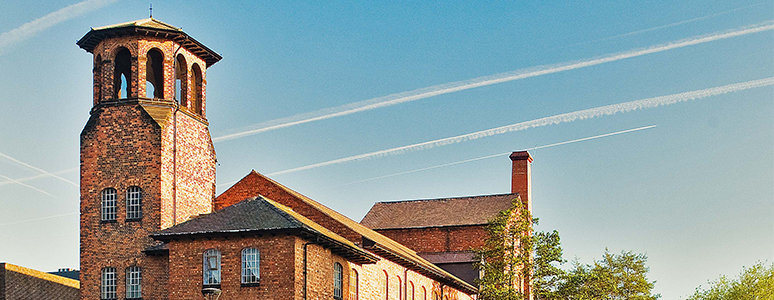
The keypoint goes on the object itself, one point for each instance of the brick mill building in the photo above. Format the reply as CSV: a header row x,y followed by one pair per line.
x,y
153,228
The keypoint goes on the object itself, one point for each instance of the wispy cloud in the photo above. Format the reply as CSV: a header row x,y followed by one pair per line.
x,y
41,171
30,178
26,185
678,23
30,28
40,219
499,155
552,120
457,86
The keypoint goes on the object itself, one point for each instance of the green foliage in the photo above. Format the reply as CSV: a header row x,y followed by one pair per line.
x,y
615,276
505,258
546,272
756,282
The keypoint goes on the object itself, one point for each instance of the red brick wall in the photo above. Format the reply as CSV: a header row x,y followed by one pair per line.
x,y
439,239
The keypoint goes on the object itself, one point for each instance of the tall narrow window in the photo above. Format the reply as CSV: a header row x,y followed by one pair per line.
x,y
197,98
122,74
108,204
424,293
108,284
133,282
354,285
181,80
399,289
410,291
154,74
385,285
251,261
338,281
211,269
98,79
134,203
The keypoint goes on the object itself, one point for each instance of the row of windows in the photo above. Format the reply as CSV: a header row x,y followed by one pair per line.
x,y
251,261
122,76
396,292
109,281
109,204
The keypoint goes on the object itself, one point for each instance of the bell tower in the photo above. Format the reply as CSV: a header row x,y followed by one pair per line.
x,y
147,159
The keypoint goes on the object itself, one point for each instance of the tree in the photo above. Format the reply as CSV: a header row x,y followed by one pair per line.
x,y
546,272
756,282
505,258
615,276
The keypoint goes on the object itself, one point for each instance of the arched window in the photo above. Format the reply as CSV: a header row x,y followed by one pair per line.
x,y
98,79
399,289
338,281
211,269
108,284
154,74
181,80
410,291
197,98
133,282
134,203
424,293
108,198
354,285
122,74
385,286
251,262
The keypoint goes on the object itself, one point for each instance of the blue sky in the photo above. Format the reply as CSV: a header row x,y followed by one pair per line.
x,y
695,193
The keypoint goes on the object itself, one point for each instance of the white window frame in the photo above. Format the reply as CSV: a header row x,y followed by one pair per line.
x,y
108,201
251,266
134,203
134,282
211,271
108,284
338,281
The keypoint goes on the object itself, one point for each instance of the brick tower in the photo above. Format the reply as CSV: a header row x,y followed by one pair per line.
x,y
147,159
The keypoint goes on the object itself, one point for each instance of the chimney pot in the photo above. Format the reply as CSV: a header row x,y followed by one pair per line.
x,y
521,176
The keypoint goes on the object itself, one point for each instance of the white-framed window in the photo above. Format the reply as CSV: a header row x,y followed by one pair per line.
x,y
108,210
338,281
251,263
354,285
134,203
133,282
108,284
211,267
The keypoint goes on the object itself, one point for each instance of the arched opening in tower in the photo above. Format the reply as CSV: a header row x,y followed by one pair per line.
x,y
181,80
122,74
197,92
154,74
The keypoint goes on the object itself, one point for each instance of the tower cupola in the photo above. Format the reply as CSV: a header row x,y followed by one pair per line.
x,y
149,60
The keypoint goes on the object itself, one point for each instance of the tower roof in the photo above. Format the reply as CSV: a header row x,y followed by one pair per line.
x,y
148,27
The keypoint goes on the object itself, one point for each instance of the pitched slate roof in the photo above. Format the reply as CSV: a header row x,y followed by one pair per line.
x,y
458,211
257,184
148,27
259,215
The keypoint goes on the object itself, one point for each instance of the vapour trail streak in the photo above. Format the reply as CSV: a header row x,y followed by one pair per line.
x,y
457,86
28,29
499,155
40,219
25,179
44,172
552,120
26,185
665,26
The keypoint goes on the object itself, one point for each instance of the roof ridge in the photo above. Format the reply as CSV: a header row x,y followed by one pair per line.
x,y
446,198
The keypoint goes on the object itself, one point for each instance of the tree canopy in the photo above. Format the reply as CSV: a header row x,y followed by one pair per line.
x,y
756,282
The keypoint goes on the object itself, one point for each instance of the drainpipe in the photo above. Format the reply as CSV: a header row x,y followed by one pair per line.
x,y
305,263
174,136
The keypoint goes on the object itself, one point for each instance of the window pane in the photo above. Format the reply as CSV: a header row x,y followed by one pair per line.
x,y
109,204
211,269
251,261
133,283
134,203
337,281
353,285
108,285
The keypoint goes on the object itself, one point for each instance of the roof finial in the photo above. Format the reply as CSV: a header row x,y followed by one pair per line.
x,y
151,10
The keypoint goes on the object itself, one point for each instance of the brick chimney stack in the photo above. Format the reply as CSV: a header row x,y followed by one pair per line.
x,y
521,176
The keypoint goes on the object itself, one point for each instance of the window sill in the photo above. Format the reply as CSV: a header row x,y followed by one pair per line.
x,y
103,222
251,284
134,220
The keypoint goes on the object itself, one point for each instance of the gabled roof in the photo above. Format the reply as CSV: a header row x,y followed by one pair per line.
x,y
41,275
259,215
258,184
148,27
458,211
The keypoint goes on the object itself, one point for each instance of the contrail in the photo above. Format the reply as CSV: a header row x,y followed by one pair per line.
x,y
25,179
39,219
26,185
499,155
43,172
552,120
457,86
665,25
28,29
